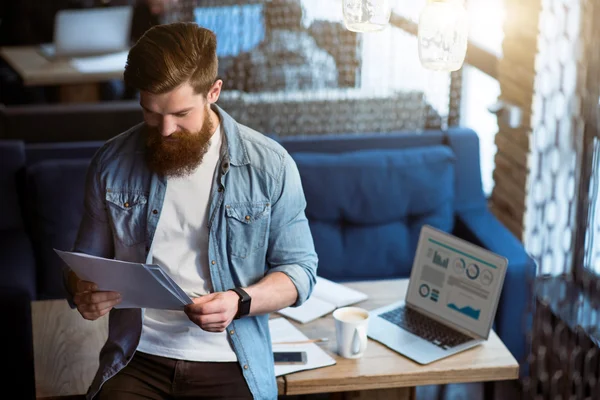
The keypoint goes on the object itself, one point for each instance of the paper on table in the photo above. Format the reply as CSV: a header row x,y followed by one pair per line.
x,y
140,285
326,297
336,293
104,63
311,309
283,330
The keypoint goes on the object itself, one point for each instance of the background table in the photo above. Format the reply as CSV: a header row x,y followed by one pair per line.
x,y
36,70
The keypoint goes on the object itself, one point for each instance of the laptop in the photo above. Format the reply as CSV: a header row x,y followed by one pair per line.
x,y
450,303
90,32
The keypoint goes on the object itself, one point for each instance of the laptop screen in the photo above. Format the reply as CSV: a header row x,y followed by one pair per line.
x,y
92,31
456,281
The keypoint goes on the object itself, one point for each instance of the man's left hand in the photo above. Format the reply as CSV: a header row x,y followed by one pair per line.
x,y
213,312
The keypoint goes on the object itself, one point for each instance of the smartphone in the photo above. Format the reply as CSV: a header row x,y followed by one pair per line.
x,y
289,357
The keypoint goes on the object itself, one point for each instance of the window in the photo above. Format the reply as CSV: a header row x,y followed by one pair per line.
x,y
592,239
486,18
480,91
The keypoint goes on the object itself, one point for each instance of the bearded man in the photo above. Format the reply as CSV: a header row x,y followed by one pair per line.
x,y
218,206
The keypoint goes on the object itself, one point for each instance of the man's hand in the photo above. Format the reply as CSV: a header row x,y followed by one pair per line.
x,y
91,303
213,312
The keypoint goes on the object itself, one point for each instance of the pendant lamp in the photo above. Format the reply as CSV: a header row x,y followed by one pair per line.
x,y
443,34
366,15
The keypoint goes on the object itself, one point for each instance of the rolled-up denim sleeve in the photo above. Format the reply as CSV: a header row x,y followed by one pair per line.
x,y
291,247
94,236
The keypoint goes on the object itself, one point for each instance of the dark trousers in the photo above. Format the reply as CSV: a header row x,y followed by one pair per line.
x,y
152,377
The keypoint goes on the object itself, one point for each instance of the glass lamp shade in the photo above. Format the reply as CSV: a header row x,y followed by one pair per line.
x,y
366,15
443,35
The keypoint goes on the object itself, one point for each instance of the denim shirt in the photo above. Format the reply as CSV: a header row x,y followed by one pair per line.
x,y
256,223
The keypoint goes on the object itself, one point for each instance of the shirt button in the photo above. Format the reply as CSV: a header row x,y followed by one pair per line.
x,y
126,205
247,218
213,262
245,366
154,212
231,332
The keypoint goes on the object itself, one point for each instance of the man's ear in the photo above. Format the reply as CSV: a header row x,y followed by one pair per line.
x,y
214,92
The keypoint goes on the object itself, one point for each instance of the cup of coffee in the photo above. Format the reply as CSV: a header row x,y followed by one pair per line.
x,y
351,331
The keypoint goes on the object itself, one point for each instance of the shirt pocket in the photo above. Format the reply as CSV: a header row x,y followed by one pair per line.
x,y
128,213
247,225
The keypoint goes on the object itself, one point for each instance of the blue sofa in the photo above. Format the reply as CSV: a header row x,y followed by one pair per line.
x,y
367,197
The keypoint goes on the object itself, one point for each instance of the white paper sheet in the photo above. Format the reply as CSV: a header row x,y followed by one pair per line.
x,y
326,297
140,285
283,330
104,63
312,309
337,293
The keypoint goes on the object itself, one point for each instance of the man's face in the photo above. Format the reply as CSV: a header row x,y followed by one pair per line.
x,y
179,126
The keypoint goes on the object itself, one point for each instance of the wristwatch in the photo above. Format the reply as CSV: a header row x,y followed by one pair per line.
x,y
243,304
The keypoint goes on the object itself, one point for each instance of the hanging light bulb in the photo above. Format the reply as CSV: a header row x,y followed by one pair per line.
x,y
443,34
366,15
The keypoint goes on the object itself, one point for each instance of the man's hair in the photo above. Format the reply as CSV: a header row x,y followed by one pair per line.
x,y
169,55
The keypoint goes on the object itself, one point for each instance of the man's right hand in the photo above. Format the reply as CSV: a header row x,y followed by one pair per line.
x,y
91,303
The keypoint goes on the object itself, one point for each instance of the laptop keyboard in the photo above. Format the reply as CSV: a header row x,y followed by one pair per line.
x,y
425,327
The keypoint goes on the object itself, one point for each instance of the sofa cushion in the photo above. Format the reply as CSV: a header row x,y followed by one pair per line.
x,y
366,208
55,190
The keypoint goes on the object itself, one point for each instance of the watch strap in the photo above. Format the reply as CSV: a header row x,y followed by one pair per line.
x,y
243,303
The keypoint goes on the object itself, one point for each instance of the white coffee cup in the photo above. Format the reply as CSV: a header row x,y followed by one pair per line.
x,y
351,331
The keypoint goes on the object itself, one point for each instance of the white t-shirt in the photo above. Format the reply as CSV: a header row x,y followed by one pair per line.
x,y
180,246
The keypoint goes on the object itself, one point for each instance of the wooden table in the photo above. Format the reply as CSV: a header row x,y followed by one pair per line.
x,y
66,351
36,70
384,374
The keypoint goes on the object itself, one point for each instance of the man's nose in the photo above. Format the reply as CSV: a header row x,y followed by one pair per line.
x,y
168,127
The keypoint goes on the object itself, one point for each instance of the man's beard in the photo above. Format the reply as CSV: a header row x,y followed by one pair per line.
x,y
181,156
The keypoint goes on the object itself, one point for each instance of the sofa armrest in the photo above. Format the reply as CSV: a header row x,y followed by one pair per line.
x,y
513,317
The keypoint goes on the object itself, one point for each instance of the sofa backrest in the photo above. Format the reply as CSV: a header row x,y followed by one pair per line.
x,y
463,142
36,152
366,208
68,122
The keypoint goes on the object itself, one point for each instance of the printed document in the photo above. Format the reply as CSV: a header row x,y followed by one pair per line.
x,y
140,285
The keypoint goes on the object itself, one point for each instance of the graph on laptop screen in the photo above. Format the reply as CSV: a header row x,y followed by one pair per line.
x,y
457,282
